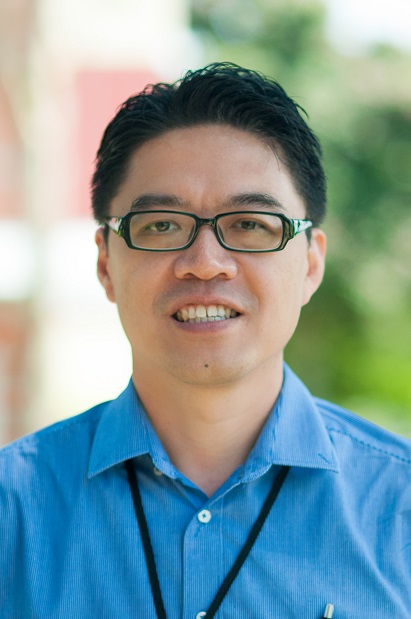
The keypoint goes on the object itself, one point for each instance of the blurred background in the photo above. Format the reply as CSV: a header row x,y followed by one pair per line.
x,y
64,69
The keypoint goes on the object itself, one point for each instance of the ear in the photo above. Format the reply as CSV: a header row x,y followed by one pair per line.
x,y
316,264
103,266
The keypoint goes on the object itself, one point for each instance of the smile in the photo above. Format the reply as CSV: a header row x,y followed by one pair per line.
x,y
202,313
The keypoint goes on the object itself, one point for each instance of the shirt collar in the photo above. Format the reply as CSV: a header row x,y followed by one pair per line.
x,y
120,433
293,435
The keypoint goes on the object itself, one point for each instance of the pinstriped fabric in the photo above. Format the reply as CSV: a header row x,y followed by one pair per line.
x,y
339,532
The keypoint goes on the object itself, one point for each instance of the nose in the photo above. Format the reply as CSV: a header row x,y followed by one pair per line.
x,y
205,258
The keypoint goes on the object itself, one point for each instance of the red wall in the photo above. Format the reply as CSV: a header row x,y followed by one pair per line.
x,y
98,96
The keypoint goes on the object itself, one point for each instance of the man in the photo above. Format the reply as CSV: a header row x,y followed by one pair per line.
x,y
215,484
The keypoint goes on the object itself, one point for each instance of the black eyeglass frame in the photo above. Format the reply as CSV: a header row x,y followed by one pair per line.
x,y
291,227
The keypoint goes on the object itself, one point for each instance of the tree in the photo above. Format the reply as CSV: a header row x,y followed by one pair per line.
x,y
354,341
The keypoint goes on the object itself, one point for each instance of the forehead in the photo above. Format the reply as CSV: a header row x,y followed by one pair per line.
x,y
204,166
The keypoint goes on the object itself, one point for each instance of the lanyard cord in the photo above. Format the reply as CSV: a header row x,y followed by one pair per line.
x,y
244,552
145,535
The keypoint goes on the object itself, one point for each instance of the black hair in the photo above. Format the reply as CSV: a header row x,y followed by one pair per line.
x,y
221,93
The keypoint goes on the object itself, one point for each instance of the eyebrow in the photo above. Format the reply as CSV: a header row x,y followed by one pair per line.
x,y
254,199
262,200
148,200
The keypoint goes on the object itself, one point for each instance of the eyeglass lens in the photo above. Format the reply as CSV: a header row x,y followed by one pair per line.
x,y
245,231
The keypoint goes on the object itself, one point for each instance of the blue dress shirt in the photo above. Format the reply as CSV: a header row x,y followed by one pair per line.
x,y
339,532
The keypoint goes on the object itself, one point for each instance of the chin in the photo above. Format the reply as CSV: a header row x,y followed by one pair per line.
x,y
208,373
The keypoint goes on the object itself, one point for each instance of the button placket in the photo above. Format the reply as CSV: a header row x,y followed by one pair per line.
x,y
201,534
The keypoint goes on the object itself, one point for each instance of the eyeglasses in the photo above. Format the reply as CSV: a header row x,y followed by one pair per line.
x,y
244,231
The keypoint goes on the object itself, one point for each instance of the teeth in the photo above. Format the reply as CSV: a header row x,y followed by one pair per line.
x,y
201,313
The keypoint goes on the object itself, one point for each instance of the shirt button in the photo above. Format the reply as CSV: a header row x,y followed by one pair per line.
x,y
204,516
157,472
201,615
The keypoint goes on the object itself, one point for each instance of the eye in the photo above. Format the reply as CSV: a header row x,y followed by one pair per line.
x,y
161,226
249,225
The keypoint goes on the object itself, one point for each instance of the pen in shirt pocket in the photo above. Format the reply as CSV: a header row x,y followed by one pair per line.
x,y
329,611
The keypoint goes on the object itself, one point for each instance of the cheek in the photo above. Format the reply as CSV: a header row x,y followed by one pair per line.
x,y
137,282
283,291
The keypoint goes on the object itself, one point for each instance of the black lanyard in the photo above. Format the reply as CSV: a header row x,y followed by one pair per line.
x,y
244,552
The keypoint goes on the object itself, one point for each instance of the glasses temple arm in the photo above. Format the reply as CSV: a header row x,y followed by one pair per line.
x,y
299,225
114,223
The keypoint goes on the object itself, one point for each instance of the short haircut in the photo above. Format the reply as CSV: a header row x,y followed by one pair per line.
x,y
224,94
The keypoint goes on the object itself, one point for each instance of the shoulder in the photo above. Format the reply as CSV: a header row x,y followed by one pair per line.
x,y
362,436
374,478
60,449
374,464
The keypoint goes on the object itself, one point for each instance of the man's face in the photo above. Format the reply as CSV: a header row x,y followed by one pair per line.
x,y
203,168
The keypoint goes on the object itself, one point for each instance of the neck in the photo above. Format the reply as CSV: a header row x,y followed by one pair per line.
x,y
208,431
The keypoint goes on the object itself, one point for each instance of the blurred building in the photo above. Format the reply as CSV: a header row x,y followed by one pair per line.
x,y
64,69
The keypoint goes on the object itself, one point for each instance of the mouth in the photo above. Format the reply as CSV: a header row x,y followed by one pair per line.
x,y
205,313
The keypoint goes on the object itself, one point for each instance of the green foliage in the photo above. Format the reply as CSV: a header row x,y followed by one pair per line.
x,y
353,344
